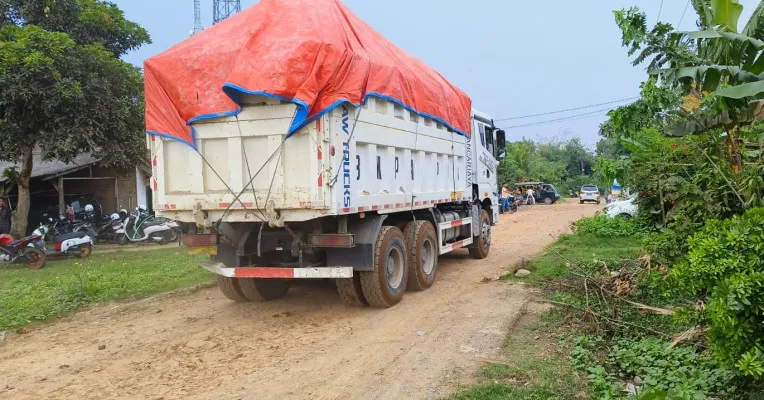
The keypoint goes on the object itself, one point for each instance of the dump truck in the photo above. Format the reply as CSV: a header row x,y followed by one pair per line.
x,y
343,158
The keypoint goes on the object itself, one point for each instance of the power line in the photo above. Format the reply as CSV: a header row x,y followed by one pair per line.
x,y
686,6
567,109
568,118
660,10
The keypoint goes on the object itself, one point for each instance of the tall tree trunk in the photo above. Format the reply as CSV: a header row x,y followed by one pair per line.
x,y
733,148
21,214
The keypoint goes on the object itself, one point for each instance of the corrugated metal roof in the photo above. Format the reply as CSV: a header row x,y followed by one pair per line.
x,y
42,168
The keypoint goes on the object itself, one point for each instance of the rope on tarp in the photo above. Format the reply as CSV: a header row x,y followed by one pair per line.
x,y
237,197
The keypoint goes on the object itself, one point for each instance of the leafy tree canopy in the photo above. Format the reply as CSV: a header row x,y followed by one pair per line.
x,y
85,21
63,88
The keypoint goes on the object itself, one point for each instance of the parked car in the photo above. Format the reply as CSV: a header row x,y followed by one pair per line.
x,y
589,193
623,208
542,192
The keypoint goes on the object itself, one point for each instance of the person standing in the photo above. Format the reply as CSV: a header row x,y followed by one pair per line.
x,y
5,218
504,198
530,199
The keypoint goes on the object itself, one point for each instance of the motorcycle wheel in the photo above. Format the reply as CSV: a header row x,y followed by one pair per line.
x,y
121,239
85,251
34,258
93,235
165,237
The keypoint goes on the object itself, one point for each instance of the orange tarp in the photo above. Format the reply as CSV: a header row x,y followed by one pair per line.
x,y
314,53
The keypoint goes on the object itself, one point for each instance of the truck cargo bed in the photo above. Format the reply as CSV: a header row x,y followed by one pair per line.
x,y
379,157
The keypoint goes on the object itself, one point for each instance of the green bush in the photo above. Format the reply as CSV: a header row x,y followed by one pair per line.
x,y
603,226
725,263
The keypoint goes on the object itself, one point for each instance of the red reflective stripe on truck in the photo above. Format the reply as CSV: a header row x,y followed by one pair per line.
x,y
156,185
360,209
320,179
457,245
257,272
224,205
456,223
320,154
154,161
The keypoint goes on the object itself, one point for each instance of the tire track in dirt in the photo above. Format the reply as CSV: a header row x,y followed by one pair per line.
x,y
309,345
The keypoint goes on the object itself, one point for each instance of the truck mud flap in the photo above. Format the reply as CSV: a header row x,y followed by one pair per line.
x,y
360,257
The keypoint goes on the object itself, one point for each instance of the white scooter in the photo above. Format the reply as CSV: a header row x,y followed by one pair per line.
x,y
140,227
74,244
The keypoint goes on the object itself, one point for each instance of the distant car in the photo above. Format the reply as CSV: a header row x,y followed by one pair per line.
x,y
622,209
542,192
589,193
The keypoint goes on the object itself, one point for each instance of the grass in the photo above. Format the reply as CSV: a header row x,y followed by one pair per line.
x,y
538,349
28,297
549,265
536,369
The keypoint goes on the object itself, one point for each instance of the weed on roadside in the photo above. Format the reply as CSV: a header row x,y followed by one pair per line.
x,y
535,367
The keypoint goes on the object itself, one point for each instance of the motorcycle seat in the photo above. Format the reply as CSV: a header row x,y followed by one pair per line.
x,y
152,223
73,235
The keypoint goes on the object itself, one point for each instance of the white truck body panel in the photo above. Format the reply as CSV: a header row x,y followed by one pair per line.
x,y
379,157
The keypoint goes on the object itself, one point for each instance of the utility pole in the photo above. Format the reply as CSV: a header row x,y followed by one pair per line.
x,y
198,27
222,9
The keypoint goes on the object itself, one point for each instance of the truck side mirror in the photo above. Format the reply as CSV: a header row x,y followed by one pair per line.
x,y
501,143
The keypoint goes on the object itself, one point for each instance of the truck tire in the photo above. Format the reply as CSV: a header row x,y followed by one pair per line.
x,y
247,289
483,239
422,246
351,292
384,286
264,289
230,288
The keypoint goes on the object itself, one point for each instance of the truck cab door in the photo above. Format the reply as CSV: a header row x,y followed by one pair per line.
x,y
486,165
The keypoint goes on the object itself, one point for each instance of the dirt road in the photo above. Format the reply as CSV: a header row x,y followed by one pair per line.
x,y
307,346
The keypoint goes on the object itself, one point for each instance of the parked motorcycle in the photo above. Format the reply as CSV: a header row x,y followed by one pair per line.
x,y
17,251
73,244
97,230
140,227
513,203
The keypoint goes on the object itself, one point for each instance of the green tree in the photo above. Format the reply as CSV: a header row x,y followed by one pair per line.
x,y
716,64
63,88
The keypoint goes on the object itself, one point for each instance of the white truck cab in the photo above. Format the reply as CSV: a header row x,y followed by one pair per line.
x,y
485,145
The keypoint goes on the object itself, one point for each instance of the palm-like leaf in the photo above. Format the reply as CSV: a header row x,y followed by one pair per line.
x,y
755,25
705,16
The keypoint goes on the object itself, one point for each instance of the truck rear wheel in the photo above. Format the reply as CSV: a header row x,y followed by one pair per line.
x,y
421,244
230,288
246,289
385,285
351,292
482,243
264,289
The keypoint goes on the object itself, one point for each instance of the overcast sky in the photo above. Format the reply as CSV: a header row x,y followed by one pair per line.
x,y
513,58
